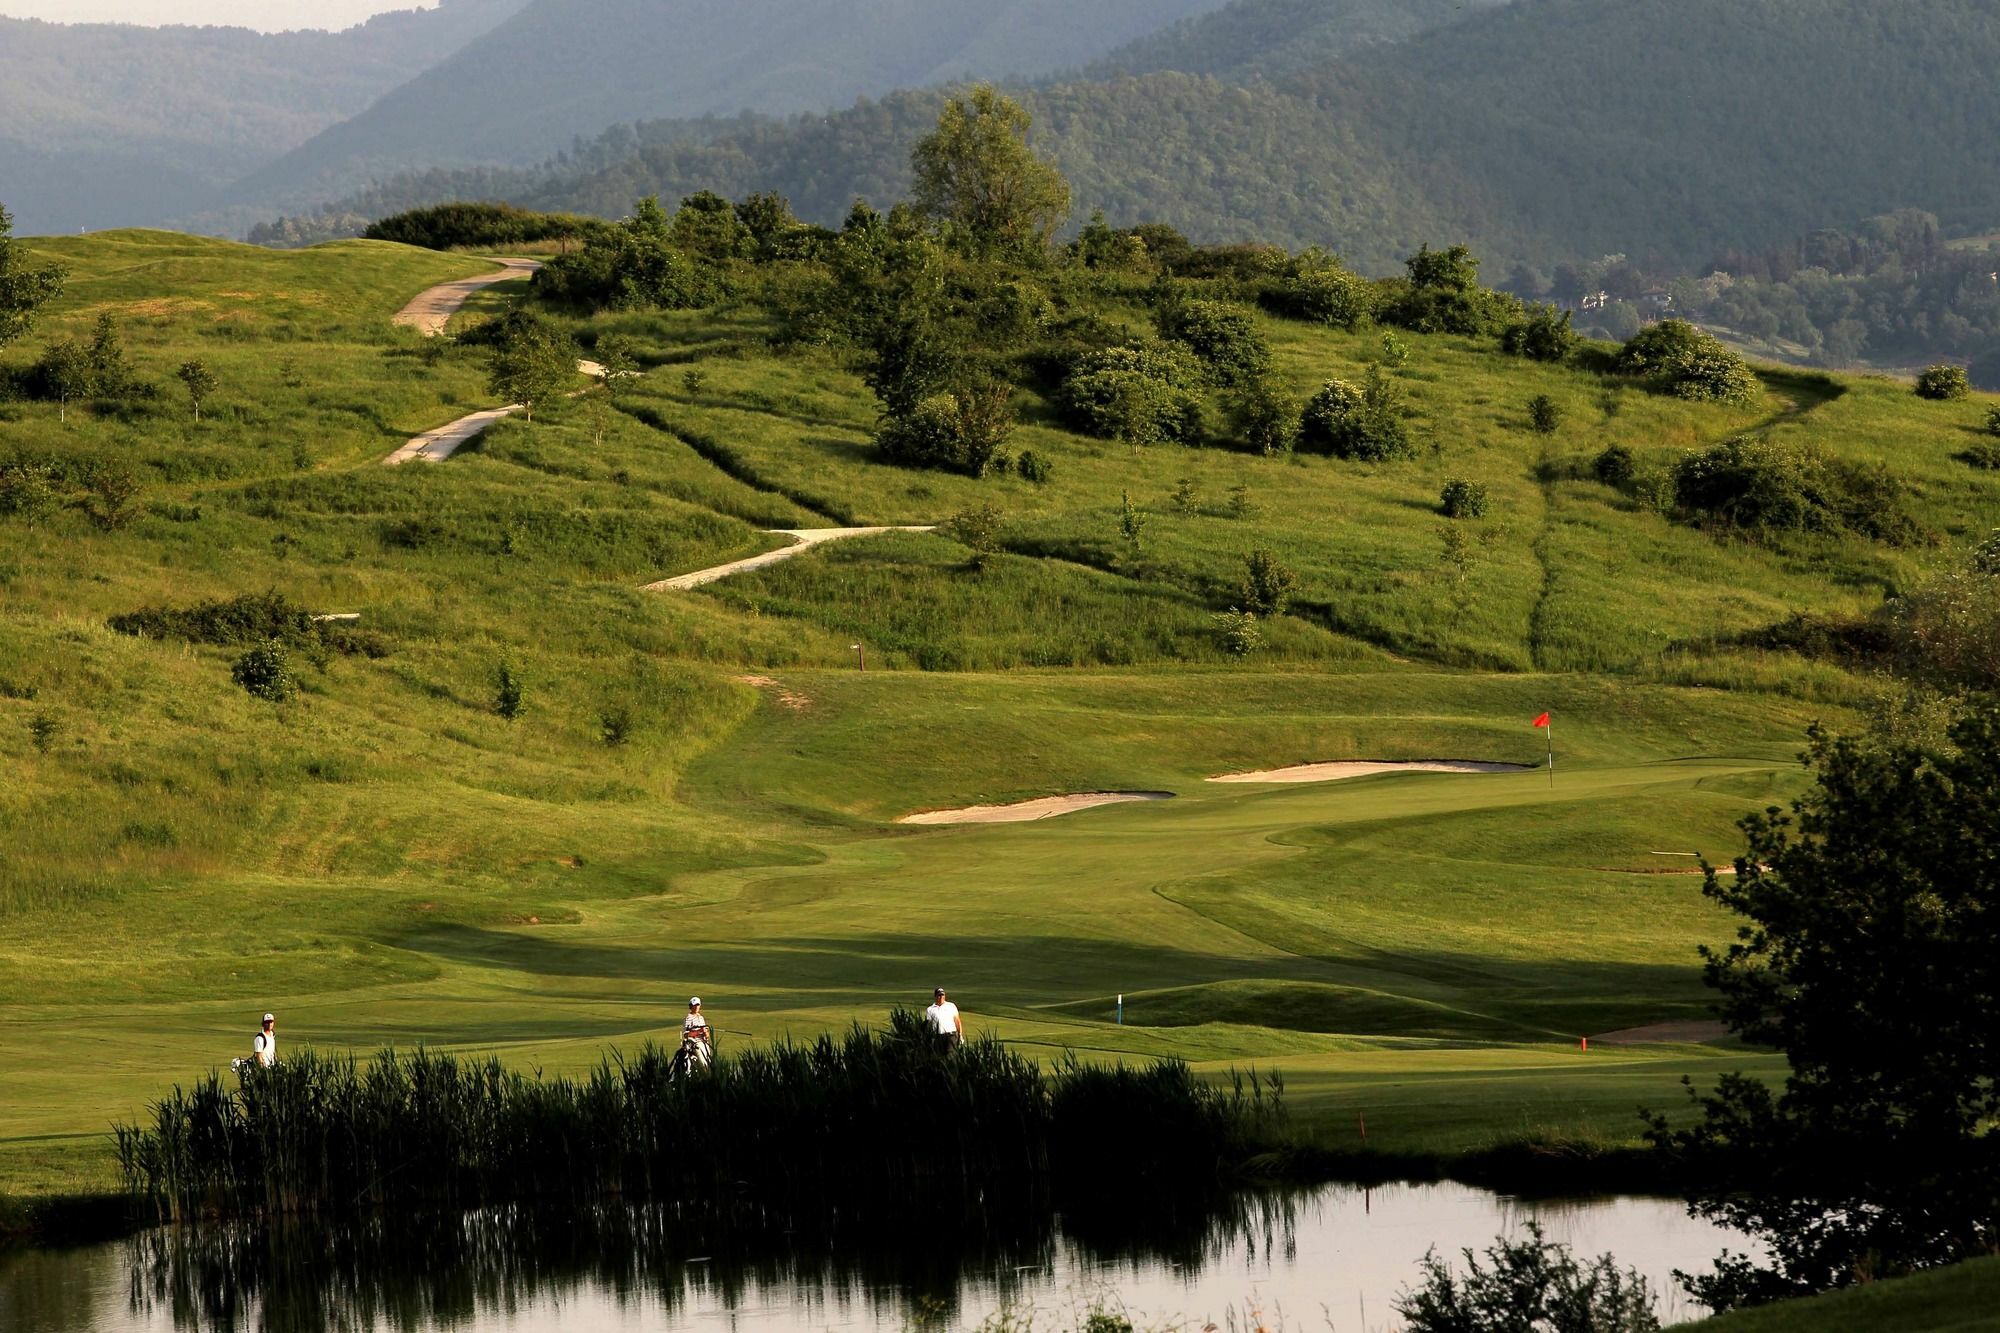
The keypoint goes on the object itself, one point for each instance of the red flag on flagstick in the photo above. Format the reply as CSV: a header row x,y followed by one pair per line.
x,y
1542,721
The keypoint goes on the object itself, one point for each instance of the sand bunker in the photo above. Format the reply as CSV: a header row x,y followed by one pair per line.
x,y
1685,1031
1361,768
1020,812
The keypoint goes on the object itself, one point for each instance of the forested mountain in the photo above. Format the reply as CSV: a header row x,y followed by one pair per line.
x,y
1265,38
98,118
564,67
1545,130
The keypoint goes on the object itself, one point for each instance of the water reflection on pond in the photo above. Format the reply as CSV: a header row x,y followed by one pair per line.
x,y
1332,1257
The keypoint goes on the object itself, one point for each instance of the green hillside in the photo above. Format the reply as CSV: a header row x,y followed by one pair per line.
x,y
1266,38
698,794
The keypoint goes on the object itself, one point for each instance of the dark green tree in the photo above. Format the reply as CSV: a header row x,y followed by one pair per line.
x,y
200,382
64,372
1869,954
25,287
976,176
531,360
1267,584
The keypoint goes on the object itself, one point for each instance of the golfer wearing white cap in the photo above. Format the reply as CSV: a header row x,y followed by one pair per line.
x,y
694,1029
944,1018
265,1044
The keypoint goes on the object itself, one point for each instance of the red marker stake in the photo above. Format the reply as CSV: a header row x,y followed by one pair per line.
x,y
1586,1043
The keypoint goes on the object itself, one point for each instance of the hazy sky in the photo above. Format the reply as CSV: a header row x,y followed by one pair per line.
x,y
268,15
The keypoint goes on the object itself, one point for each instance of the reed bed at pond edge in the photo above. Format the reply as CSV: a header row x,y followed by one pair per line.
x,y
862,1115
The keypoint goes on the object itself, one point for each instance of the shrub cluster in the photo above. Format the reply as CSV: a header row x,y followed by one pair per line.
x,y
1223,337
249,620
1316,289
446,226
1442,295
1148,393
1542,334
1364,424
960,431
646,262
1943,383
1761,485
1462,499
1689,363
860,1116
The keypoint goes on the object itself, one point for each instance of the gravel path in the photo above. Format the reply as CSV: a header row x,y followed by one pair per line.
x,y
806,539
430,311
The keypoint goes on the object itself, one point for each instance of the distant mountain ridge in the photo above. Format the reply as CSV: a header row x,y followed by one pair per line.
x,y
561,68
1267,38
97,119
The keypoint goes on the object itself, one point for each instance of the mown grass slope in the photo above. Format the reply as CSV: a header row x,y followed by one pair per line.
x,y
385,859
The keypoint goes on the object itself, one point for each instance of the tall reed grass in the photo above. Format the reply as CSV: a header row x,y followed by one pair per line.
x,y
865,1114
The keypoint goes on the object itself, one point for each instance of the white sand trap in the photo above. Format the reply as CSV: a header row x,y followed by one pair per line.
x,y
1361,768
1020,812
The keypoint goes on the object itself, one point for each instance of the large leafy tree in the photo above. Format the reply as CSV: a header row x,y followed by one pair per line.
x,y
977,176
1870,955
24,287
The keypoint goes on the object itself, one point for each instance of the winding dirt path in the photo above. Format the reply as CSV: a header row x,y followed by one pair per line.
x,y
805,540
428,312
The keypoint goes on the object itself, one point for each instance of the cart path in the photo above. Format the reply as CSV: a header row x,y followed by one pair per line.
x,y
428,312
805,539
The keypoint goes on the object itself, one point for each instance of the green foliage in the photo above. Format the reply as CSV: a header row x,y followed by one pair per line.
x,y
852,1116
615,724
24,287
957,432
1238,630
109,491
637,264
43,729
1395,351
1983,456
620,359
1186,498
265,672
1035,467
1943,383
1144,394
530,360
1264,419
509,691
1687,362
1531,1285
27,492
1364,425
1443,295
706,227
1267,584
1131,522
1615,466
1223,337
1757,484
250,619
1463,499
1542,334
1317,289
976,176
459,225
1947,628
64,373
976,528
199,381
1868,942
1544,414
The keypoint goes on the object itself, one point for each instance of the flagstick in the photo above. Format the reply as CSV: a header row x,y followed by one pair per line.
x,y
1551,730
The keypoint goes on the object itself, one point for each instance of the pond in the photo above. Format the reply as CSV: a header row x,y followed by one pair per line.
x,y
1327,1258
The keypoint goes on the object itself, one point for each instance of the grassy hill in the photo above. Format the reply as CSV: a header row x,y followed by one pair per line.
x,y
384,859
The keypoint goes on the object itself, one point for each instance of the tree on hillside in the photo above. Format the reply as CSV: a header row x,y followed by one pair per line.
x,y
1869,953
200,382
24,287
976,175
531,361
64,372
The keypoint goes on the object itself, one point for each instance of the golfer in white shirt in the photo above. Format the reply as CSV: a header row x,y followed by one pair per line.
x,y
943,1017
265,1044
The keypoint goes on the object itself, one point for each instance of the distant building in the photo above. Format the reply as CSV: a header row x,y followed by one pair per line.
x,y
1656,303
1596,300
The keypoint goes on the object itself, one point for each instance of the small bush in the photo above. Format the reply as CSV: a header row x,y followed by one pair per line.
x,y
1267,584
1034,467
43,730
1131,522
509,692
1688,362
1942,383
1544,414
1761,485
1264,420
1615,466
1239,632
1530,1284
250,619
266,672
1186,499
109,494
977,529
1462,499
27,492
954,432
1322,292
1993,421
614,724
1364,425
1222,336
1240,504
1543,334
1983,456
1126,404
